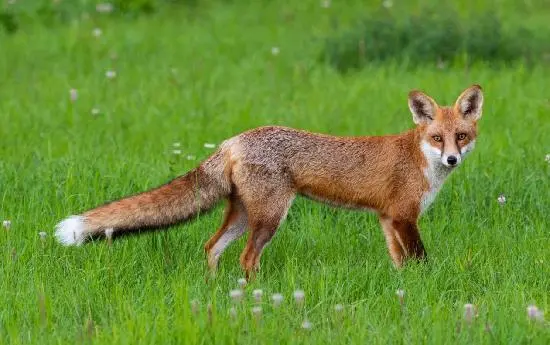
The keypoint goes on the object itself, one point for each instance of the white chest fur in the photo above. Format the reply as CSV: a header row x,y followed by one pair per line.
x,y
435,173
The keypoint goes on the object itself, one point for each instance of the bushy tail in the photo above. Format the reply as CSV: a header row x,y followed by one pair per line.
x,y
176,201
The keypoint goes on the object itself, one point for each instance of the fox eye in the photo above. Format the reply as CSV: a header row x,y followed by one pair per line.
x,y
461,136
436,138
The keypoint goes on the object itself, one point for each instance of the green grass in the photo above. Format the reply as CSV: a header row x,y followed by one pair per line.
x,y
56,159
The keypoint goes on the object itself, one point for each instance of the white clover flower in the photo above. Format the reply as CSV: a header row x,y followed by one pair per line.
x,y
233,312
109,233
109,236
42,235
176,144
400,293
501,199
338,308
470,312
191,157
110,74
277,299
275,50
240,281
236,295
97,32
209,145
547,158
257,311
104,7
535,313
299,296
176,152
6,224
257,294
73,94
95,111
307,325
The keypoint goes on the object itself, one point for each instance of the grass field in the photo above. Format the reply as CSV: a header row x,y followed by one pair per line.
x,y
202,75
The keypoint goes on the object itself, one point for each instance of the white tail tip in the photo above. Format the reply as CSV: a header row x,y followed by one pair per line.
x,y
71,231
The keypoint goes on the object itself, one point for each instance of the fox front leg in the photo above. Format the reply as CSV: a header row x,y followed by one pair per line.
x,y
403,240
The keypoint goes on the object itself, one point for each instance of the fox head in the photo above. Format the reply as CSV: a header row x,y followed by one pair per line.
x,y
447,133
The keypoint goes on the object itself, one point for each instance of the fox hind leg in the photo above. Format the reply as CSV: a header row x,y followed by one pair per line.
x,y
264,220
233,227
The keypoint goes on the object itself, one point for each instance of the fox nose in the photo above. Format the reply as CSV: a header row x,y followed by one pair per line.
x,y
452,160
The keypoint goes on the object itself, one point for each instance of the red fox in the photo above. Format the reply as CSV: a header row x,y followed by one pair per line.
x,y
260,171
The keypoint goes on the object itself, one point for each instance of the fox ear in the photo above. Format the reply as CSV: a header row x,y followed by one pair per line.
x,y
422,106
469,104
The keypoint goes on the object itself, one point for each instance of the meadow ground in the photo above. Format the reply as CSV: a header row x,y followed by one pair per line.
x,y
201,76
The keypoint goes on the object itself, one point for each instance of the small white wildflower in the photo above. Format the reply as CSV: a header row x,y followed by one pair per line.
x,y
307,325
110,74
176,152
97,32
191,157
470,312
233,312
257,311
535,313
240,281
95,111
338,308
6,224
299,296
325,4
109,233
73,93
257,294
104,7
277,299
275,50
42,235
387,3
209,145
400,294
501,199
236,295
547,158
176,144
